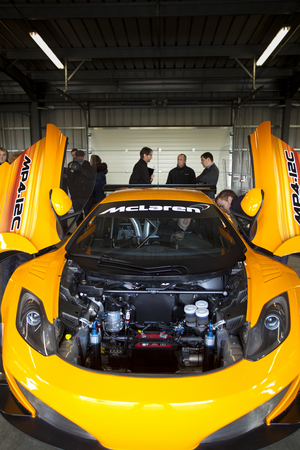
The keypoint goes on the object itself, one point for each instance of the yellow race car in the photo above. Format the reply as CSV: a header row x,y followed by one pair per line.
x,y
156,325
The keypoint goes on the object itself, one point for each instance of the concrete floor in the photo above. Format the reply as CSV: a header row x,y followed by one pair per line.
x,y
11,438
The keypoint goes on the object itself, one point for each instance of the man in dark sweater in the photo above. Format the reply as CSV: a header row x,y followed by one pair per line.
x,y
229,202
210,174
140,173
182,174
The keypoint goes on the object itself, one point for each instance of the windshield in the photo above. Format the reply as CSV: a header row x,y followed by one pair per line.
x,y
140,236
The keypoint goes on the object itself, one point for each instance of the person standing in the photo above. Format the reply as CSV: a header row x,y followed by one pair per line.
x,y
81,178
3,155
101,170
141,173
14,156
210,174
73,153
182,174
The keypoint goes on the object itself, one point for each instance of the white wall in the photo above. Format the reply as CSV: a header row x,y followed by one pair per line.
x,y
120,147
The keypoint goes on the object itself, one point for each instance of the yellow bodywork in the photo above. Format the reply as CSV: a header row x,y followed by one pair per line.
x,y
276,169
27,222
252,202
130,412
133,412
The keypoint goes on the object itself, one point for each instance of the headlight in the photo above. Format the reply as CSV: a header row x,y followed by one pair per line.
x,y
271,330
32,324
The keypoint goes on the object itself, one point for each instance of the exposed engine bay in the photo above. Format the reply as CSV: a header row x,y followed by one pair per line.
x,y
190,325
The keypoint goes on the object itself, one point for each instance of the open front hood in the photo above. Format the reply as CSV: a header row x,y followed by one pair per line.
x,y
27,221
276,169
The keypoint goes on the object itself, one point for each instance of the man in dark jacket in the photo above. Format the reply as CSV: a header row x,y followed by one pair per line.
x,y
229,202
182,174
81,179
210,174
98,193
140,173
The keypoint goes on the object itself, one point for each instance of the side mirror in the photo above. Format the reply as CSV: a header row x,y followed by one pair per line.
x,y
60,202
252,202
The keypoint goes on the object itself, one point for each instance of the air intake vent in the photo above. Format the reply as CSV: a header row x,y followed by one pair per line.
x,y
270,269
40,266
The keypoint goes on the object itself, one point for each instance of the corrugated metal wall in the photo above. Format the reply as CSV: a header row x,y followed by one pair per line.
x,y
71,122
160,117
15,127
14,131
246,120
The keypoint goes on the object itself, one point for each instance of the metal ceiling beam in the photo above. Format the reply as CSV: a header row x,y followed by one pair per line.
x,y
163,75
48,11
231,51
23,105
208,87
14,106
14,73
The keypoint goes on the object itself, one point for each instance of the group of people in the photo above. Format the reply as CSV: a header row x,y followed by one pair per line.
x,y
181,174
5,158
82,179
85,180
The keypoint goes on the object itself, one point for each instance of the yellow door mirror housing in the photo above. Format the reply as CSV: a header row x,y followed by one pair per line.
x,y
60,201
252,202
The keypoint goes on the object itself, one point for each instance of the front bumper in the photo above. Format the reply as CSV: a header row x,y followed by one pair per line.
x,y
39,429
130,412
117,412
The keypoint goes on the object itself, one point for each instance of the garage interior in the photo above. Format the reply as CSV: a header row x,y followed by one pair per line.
x,y
150,67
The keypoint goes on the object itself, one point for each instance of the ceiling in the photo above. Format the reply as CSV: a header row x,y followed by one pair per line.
x,y
149,52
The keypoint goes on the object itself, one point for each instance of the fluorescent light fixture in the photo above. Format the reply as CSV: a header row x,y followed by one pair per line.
x,y
42,44
271,47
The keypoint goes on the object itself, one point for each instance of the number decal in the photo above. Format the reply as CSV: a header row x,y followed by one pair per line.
x,y
19,203
294,185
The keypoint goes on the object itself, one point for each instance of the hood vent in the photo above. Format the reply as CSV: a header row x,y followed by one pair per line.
x,y
40,266
270,269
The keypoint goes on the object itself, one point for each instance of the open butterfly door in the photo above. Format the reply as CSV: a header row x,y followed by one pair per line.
x,y
276,168
27,220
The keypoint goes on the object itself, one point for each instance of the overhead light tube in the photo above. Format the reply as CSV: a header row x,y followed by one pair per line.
x,y
42,44
271,47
